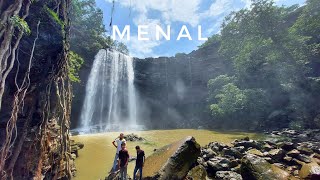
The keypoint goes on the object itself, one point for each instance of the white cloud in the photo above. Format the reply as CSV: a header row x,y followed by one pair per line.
x,y
141,49
171,11
218,7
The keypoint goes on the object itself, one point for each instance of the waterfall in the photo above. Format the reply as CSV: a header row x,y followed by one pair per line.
x,y
110,99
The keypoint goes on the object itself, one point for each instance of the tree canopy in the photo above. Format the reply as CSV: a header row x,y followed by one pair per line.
x,y
275,56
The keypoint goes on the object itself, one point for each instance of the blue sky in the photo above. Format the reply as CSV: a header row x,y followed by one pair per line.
x,y
176,13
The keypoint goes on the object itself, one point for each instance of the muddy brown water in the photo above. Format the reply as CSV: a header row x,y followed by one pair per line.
x,y
96,158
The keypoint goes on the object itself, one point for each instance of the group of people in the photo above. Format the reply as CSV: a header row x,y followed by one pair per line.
x,y
121,158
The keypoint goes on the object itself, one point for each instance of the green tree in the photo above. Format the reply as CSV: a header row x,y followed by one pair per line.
x,y
75,63
275,56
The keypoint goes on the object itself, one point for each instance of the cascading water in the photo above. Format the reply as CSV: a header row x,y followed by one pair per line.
x,y
110,100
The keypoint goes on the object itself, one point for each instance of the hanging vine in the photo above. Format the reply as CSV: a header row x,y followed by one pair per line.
x,y
17,102
58,89
12,28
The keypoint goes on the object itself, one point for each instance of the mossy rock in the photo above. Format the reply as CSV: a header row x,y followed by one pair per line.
x,y
197,173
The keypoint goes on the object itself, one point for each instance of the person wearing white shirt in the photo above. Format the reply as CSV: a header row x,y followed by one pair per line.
x,y
117,144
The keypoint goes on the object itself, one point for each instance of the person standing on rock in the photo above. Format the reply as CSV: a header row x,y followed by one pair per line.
x,y
123,161
117,144
139,162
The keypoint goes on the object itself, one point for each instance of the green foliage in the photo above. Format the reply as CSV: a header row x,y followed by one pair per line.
x,y
230,100
88,33
275,56
55,17
21,24
180,54
75,63
215,85
119,46
215,39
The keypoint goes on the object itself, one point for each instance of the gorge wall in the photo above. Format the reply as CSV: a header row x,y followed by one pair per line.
x,y
172,91
38,145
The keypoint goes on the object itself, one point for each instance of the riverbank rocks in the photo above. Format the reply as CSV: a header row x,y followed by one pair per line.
x,y
172,161
255,167
133,137
286,154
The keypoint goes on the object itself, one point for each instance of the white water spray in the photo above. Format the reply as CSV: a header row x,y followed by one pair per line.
x,y
110,100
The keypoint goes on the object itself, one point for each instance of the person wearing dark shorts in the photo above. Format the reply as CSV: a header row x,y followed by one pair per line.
x,y
123,161
139,162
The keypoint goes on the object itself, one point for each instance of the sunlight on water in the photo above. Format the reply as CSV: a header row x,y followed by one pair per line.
x,y
96,158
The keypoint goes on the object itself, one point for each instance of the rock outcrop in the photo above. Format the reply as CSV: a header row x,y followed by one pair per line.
x,y
41,145
173,161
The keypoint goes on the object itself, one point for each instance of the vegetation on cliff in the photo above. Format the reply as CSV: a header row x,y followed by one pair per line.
x,y
35,90
274,52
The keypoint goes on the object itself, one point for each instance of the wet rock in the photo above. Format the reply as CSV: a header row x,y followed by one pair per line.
x,y
297,162
208,153
293,153
218,164
287,159
133,137
197,173
255,167
247,144
173,161
232,152
310,171
277,154
290,132
267,147
304,158
241,149
305,150
255,152
287,146
216,146
227,175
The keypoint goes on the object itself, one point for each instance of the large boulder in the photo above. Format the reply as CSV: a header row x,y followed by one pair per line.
x,y
256,168
310,171
172,161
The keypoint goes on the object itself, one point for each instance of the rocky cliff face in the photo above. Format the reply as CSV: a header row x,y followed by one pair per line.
x,y
173,91
40,143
